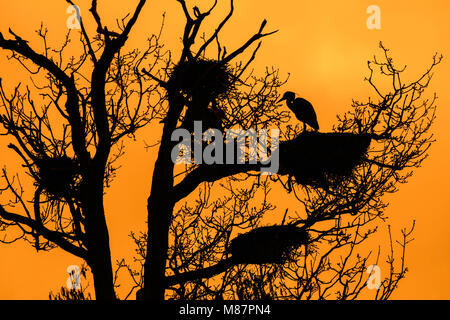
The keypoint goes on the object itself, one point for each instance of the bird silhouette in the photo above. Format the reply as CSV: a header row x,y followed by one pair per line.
x,y
302,109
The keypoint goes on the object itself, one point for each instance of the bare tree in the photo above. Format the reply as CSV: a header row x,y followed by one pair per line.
x,y
206,237
187,84
339,178
67,128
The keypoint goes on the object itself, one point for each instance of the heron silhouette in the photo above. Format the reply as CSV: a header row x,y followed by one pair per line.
x,y
302,109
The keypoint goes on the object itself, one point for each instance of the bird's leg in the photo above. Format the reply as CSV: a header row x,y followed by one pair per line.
x,y
304,127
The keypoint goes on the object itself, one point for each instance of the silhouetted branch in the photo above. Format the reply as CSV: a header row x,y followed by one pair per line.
x,y
254,38
216,32
54,236
85,35
209,173
207,272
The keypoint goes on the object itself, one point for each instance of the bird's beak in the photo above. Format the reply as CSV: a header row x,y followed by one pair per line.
x,y
284,98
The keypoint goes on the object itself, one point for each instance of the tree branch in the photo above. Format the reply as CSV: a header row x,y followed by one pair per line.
x,y
207,272
216,32
209,173
53,236
254,38
85,35
20,46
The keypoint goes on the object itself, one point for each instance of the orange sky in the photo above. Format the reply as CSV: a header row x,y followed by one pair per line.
x,y
325,46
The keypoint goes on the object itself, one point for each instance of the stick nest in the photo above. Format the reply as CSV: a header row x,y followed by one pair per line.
x,y
58,175
204,77
320,158
271,244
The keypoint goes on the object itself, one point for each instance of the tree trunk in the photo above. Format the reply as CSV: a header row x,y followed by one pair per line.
x,y
102,273
160,208
99,253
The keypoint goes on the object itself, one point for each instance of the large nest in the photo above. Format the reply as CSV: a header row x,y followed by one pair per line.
x,y
207,78
315,158
271,244
58,175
